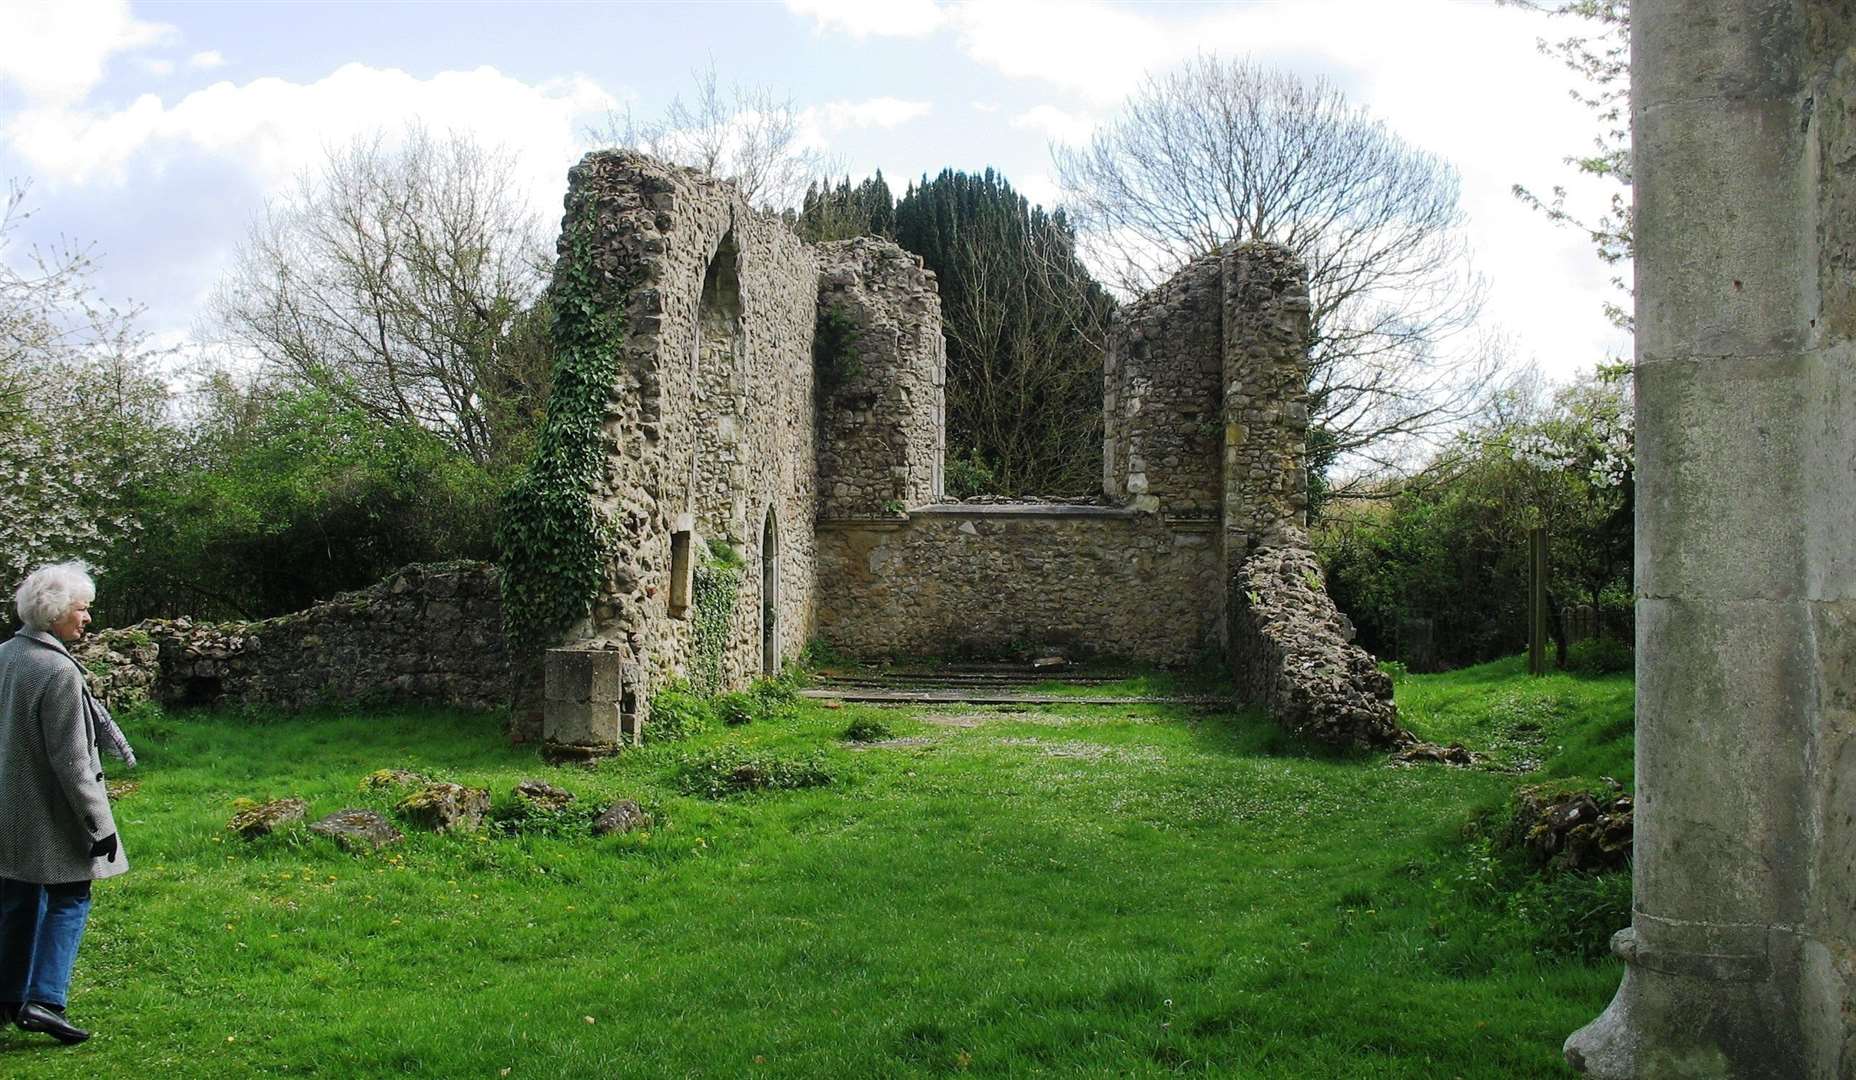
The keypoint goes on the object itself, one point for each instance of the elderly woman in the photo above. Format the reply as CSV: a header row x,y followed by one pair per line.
x,y
56,831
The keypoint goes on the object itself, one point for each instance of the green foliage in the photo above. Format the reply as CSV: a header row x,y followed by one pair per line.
x,y
551,540
835,358
867,729
1600,656
967,475
768,699
284,496
1026,328
679,712
717,586
512,815
846,211
731,770
1454,550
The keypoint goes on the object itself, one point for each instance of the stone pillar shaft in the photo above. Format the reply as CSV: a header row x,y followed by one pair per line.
x,y
1730,374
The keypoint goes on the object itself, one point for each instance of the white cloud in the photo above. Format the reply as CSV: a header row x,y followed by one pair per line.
x,y
1093,50
880,112
275,128
206,60
986,106
1055,124
873,18
160,69
56,52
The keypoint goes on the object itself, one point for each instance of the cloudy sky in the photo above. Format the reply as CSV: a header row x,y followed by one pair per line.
x,y
156,131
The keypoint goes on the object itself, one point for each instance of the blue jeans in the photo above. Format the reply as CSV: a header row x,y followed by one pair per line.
x,y
40,928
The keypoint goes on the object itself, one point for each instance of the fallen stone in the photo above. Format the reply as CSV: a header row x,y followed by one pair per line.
x,y
541,794
1431,753
358,830
1575,830
266,818
1046,662
621,817
387,778
445,807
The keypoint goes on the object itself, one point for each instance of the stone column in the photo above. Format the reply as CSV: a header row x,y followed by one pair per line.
x,y
1737,950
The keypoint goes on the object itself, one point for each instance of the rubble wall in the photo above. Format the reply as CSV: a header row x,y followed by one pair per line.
x,y
429,634
882,435
1003,579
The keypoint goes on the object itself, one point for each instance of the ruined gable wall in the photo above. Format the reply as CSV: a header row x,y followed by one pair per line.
x,y
710,422
882,431
1163,383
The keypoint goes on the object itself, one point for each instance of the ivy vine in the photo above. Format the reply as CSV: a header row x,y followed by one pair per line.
x,y
717,586
551,541
834,352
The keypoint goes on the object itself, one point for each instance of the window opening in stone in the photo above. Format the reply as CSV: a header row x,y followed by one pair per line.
x,y
717,467
770,598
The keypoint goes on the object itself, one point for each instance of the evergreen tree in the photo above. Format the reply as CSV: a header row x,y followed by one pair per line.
x,y
1026,327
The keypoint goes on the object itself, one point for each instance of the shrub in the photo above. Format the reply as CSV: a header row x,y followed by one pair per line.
x,y
678,712
730,770
1600,656
740,707
515,816
867,729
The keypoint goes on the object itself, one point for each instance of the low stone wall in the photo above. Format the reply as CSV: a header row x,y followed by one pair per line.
x,y
1292,653
993,578
430,634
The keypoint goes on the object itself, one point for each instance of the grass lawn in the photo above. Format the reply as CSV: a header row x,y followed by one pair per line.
x,y
1066,891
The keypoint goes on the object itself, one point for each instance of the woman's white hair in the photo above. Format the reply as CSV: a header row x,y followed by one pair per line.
x,y
50,592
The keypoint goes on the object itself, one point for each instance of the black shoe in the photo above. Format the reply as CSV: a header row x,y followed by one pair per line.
x,y
36,1017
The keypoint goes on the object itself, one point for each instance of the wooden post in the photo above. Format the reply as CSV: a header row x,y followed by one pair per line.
x,y
1537,601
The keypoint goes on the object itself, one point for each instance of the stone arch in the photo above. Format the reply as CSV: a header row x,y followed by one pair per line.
x,y
718,377
770,595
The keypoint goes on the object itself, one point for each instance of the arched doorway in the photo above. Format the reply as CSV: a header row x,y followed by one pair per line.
x,y
770,597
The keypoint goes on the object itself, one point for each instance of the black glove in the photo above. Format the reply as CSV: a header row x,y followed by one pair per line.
x,y
104,848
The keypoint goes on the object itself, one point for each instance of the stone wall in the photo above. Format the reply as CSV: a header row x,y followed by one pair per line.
x,y
882,435
1292,653
430,634
1162,394
951,578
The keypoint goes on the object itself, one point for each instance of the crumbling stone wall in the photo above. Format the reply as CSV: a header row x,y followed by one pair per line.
x,y
1292,653
429,634
1162,392
882,434
1002,578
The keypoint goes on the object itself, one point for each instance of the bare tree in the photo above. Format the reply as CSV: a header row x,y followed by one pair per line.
x,y
1219,151
409,281
750,135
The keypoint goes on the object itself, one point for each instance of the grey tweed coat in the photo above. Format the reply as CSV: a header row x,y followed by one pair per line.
x,y
52,803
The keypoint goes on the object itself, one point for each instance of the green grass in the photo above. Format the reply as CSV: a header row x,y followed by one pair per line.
x,y
1072,891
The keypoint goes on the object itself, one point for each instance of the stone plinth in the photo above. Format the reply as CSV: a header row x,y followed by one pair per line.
x,y
592,701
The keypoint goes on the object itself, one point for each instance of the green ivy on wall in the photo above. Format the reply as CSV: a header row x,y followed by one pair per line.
x,y
717,586
551,541
834,348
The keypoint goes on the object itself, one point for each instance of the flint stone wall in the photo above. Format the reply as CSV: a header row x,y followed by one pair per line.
x,y
881,432
430,634
710,424
1292,653
995,578
1162,394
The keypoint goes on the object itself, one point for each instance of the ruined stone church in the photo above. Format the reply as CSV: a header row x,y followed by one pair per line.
x,y
825,473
